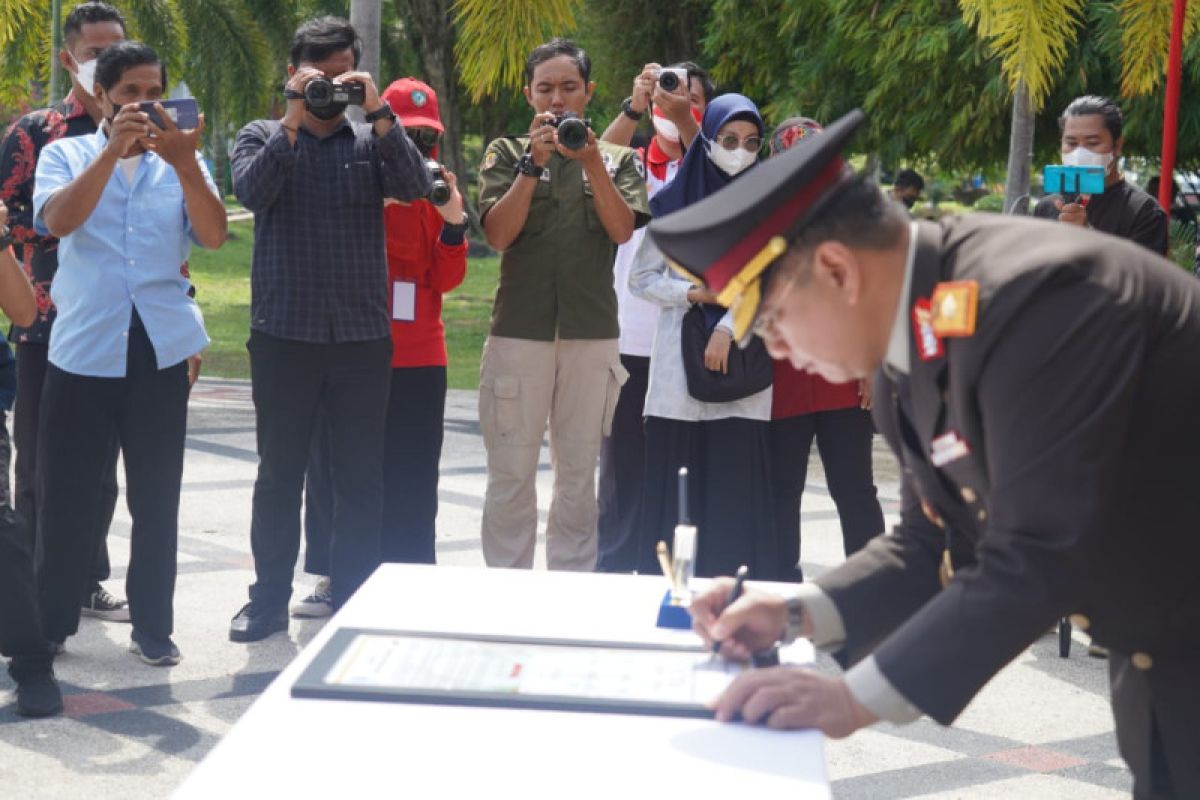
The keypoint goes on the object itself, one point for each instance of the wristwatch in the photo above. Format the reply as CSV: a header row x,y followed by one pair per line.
x,y
627,110
795,620
526,167
383,112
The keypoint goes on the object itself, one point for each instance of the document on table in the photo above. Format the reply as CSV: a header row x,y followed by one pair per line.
x,y
572,675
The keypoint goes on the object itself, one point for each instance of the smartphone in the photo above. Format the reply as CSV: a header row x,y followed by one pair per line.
x,y
184,112
1070,182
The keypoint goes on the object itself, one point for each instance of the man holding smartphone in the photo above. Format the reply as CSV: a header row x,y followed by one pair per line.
x,y
87,31
320,330
126,203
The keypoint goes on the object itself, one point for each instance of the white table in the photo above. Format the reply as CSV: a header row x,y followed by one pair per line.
x,y
293,748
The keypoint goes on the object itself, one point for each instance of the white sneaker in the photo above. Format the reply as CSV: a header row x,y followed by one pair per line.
x,y
316,605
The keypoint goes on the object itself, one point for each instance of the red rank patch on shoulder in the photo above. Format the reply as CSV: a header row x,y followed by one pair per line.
x,y
929,345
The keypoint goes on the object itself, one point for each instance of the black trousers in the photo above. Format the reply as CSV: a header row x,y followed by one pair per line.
x,y
21,636
412,450
31,376
844,442
623,473
290,379
146,413
729,495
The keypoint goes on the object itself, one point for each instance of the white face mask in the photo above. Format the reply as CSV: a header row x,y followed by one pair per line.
x,y
731,162
86,75
666,129
1082,157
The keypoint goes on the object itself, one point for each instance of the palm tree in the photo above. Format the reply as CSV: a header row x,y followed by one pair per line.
x,y
1032,39
495,37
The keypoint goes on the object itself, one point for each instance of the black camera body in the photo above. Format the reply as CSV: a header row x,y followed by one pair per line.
x,y
322,92
439,192
572,130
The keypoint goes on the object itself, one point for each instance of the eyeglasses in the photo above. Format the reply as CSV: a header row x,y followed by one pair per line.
x,y
425,137
731,141
767,320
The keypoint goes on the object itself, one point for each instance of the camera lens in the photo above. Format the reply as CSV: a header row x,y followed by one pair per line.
x,y
573,134
668,80
317,92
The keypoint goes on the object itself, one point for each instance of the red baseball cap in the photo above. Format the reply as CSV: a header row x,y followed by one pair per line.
x,y
415,103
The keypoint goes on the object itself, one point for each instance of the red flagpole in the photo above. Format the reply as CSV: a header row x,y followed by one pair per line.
x,y
1171,108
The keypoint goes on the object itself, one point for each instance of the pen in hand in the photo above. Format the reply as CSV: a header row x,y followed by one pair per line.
x,y
734,593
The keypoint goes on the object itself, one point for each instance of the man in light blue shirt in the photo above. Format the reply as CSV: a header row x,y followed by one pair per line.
x,y
126,203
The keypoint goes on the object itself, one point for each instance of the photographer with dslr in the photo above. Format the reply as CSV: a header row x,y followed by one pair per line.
x,y
320,328
556,211
427,257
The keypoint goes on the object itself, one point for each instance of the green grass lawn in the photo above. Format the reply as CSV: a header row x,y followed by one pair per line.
x,y
222,281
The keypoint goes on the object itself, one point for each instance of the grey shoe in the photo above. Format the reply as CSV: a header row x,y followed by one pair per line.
x,y
103,605
316,605
153,652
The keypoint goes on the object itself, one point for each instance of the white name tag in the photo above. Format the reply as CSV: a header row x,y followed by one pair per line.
x,y
404,301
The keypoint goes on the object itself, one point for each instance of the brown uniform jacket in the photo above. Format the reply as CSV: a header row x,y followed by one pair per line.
x,y
1077,398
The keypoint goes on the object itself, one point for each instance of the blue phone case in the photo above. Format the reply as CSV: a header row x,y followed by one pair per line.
x,y
1061,179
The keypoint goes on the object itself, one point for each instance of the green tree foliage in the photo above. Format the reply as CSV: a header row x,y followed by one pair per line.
x,y
932,89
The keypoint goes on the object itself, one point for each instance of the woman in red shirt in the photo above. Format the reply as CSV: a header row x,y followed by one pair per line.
x,y
427,257
804,407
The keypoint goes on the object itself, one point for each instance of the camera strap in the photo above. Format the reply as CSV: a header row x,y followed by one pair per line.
x,y
292,94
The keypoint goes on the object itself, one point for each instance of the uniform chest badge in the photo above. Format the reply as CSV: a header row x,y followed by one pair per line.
x,y
947,448
929,345
490,159
954,305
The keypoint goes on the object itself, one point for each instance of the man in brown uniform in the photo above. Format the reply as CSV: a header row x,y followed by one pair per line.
x,y
1034,382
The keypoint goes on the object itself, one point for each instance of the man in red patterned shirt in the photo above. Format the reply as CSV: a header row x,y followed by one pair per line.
x,y
89,28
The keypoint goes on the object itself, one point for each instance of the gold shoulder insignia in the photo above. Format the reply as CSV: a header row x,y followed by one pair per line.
x,y
954,305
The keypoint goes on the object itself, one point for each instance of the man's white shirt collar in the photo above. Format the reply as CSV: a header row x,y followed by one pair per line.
x,y
898,356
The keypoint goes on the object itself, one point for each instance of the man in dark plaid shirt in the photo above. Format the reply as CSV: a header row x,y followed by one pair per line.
x,y
320,328
87,30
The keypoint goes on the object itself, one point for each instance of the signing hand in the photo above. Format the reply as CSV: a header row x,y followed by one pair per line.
x,y
754,622
174,146
127,130
542,140
452,211
701,294
1073,213
786,698
716,354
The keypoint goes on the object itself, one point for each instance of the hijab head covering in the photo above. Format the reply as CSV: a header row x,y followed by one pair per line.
x,y
698,177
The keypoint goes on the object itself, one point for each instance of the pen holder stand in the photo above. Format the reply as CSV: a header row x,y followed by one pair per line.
x,y
671,615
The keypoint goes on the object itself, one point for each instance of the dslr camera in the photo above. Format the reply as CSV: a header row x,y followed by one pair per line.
x,y
321,92
671,78
572,131
439,193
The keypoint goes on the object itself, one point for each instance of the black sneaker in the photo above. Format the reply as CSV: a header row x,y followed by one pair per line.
x,y
156,653
102,605
38,695
252,624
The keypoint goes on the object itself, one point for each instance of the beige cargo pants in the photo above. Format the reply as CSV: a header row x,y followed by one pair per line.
x,y
574,384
